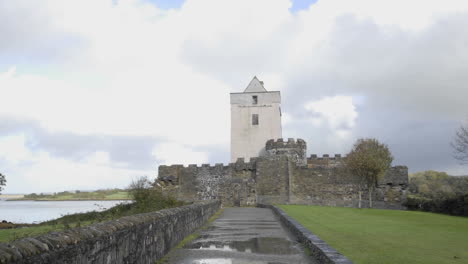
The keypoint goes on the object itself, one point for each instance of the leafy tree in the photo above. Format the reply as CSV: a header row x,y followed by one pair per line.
x,y
460,144
437,185
369,160
2,182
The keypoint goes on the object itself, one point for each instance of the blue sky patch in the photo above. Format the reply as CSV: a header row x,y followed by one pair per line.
x,y
168,4
301,4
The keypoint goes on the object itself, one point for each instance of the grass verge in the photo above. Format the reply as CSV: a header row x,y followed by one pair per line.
x,y
35,230
387,236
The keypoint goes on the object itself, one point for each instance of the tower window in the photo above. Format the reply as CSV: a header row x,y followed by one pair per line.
x,y
255,119
254,99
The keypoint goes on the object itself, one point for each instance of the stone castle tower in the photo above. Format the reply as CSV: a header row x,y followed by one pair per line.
x,y
255,118
267,169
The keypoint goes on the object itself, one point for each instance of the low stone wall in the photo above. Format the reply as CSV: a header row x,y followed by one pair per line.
x,y
142,238
319,249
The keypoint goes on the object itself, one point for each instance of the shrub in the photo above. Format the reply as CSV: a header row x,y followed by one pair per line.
x,y
457,205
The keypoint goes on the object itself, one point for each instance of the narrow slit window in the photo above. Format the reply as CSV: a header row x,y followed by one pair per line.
x,y
254,99
255,119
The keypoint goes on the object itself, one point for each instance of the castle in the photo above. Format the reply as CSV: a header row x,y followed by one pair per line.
x,y
266,169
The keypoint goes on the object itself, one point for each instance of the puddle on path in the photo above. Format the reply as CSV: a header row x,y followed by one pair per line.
x,y
260,245
231,261
217,235
217,228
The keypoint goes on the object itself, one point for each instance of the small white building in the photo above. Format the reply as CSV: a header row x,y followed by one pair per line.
x,y
255,118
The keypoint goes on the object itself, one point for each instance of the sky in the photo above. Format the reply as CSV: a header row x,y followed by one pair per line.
x,y
95,93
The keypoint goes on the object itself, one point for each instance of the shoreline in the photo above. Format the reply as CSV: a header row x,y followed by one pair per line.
x,y
67,200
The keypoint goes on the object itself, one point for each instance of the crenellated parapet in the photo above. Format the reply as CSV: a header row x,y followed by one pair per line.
x,y
325,156
282,143
326,161
170,174
294,149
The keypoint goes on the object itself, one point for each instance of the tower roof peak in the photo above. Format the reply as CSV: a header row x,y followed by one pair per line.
x,y
255,86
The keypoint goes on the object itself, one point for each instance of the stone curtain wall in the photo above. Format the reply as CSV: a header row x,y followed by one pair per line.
x,y
282,175
334,186
233,184
142,238
273,180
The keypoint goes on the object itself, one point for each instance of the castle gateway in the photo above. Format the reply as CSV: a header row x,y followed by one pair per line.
x,y
267,169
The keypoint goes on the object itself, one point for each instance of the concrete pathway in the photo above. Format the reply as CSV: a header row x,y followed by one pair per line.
x,y
243,236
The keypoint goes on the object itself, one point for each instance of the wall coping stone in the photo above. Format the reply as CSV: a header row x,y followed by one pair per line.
x,y
319,248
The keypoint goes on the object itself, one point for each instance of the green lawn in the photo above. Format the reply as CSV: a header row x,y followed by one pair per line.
x,y
387,236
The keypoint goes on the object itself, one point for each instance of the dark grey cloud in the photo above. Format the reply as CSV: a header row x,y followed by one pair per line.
x,y
413,86
417,141
421,71
135,152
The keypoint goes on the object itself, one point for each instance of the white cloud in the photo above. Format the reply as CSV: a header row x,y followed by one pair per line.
x,y
12,149
38,171
174,153
338,113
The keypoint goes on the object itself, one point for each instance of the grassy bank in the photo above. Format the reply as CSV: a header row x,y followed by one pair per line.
x,y
35,230
113,194
387,236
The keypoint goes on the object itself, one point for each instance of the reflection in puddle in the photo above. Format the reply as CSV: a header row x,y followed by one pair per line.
x,y
210,235
230,261
212,261
216,228
260,245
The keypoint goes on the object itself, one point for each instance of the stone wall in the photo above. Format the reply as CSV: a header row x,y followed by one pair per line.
x,y
283,175
233,184
296,150
273,180
142,238
335,186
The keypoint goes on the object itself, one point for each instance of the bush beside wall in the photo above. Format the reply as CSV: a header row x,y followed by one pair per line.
x,y
457,205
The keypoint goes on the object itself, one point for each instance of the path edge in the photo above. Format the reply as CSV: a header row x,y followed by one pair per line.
x,y
319,249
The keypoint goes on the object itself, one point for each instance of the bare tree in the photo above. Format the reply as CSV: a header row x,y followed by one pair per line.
x,y
2,182
369,160
460,144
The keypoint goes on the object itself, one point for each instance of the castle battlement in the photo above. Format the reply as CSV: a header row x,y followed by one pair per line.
x,y
325,156
281,143
239,163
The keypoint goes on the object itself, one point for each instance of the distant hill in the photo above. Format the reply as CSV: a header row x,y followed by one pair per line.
x,y
112,194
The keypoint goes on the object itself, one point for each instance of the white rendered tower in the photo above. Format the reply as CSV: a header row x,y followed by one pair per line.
x,y
255,118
